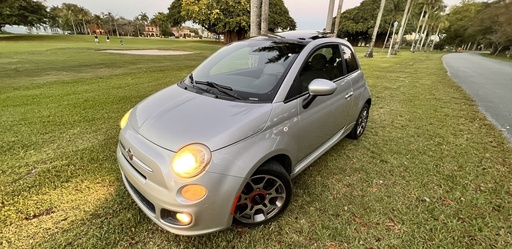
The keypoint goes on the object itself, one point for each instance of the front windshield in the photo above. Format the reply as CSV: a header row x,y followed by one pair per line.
x,y
253,69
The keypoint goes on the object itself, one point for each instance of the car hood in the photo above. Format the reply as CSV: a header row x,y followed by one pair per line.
x,y
174,117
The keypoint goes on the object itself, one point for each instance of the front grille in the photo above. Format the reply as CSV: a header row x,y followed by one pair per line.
x,y
141,198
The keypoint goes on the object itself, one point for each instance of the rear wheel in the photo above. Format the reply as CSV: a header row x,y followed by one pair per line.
x,y
361,122
264,197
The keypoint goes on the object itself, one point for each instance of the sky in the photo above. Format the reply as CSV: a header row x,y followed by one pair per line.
x,y
309,14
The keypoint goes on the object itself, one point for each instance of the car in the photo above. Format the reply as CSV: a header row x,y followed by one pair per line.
x,y
221,146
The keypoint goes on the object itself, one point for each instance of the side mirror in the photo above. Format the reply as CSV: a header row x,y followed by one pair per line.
x,y
318,87
321,87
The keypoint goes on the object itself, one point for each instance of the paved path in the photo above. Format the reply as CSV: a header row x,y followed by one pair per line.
x,y
488,82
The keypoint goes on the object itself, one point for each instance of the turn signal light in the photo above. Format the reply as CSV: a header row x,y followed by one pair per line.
x,y
193,192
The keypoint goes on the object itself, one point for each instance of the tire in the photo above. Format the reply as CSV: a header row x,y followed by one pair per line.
x,y
361,122
264,197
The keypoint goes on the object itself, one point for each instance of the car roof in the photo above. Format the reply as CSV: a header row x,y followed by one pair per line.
x,y
302,36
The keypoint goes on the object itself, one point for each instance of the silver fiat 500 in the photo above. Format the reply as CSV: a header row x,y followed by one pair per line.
x,y
222,145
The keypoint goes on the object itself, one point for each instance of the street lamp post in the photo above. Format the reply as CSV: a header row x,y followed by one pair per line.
x,y
391,45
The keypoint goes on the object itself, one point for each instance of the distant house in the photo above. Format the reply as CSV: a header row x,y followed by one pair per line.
x,y
182,32
151,31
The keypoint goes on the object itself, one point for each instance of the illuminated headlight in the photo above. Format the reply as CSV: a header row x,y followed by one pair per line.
x,y
191,160
124,120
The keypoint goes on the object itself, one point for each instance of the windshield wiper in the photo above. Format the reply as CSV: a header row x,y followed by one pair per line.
x,y
219,87
207,90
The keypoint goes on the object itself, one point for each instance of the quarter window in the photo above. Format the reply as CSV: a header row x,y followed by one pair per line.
x,y
350,60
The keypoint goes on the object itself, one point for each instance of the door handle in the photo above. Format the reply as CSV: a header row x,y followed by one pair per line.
x,y
349,95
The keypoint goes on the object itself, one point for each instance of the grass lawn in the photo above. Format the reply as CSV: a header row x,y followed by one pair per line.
x,y
430,170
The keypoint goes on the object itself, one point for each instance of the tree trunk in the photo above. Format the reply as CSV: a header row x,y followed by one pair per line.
x,y
407,21
498,50
85,27
387,35
115,24
474,46
417,29
425,35
402,27
328,25
423,30
338,15
427,38
73,23
369,54
264,17
255,13
232,36
437,35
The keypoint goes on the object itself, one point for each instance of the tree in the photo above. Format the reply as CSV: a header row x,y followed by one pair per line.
x,y
369,53
402,27
494,24
433,6
54,17
70,11
232,18
264,16
460,18
22,12
279,18
438,22
160,20
255,17
176,19
97,20
328,25
338,15
85,15
358,22
111,18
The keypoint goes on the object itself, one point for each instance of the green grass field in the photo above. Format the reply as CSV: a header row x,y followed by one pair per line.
x,y
430,171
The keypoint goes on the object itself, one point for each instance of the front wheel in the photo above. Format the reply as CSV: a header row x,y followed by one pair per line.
x,y
264,197
361,122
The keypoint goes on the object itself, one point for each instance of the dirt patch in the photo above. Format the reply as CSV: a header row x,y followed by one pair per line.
x,y
147,52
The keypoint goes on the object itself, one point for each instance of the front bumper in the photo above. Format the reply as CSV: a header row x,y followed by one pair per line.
x,y
149,180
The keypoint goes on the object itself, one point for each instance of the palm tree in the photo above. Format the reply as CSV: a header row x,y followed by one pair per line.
x,y
136,20
403,24
111,18
418,27
255,13
70,10
432,7
264,16
369,54
97,21
144,18
338,16
440,22
395,8
85,15
328,25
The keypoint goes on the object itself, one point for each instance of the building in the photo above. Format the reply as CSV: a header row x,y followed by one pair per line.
x,y
151,31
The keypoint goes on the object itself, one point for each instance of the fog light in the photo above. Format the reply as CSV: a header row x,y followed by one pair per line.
x,y
184,218
193,192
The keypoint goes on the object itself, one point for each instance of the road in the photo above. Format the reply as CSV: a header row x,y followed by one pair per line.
x,y
488,82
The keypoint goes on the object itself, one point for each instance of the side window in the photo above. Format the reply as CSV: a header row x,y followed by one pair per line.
x,y
324,63
350,60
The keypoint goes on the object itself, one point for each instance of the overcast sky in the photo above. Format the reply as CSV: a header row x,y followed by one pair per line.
x,y
309,14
